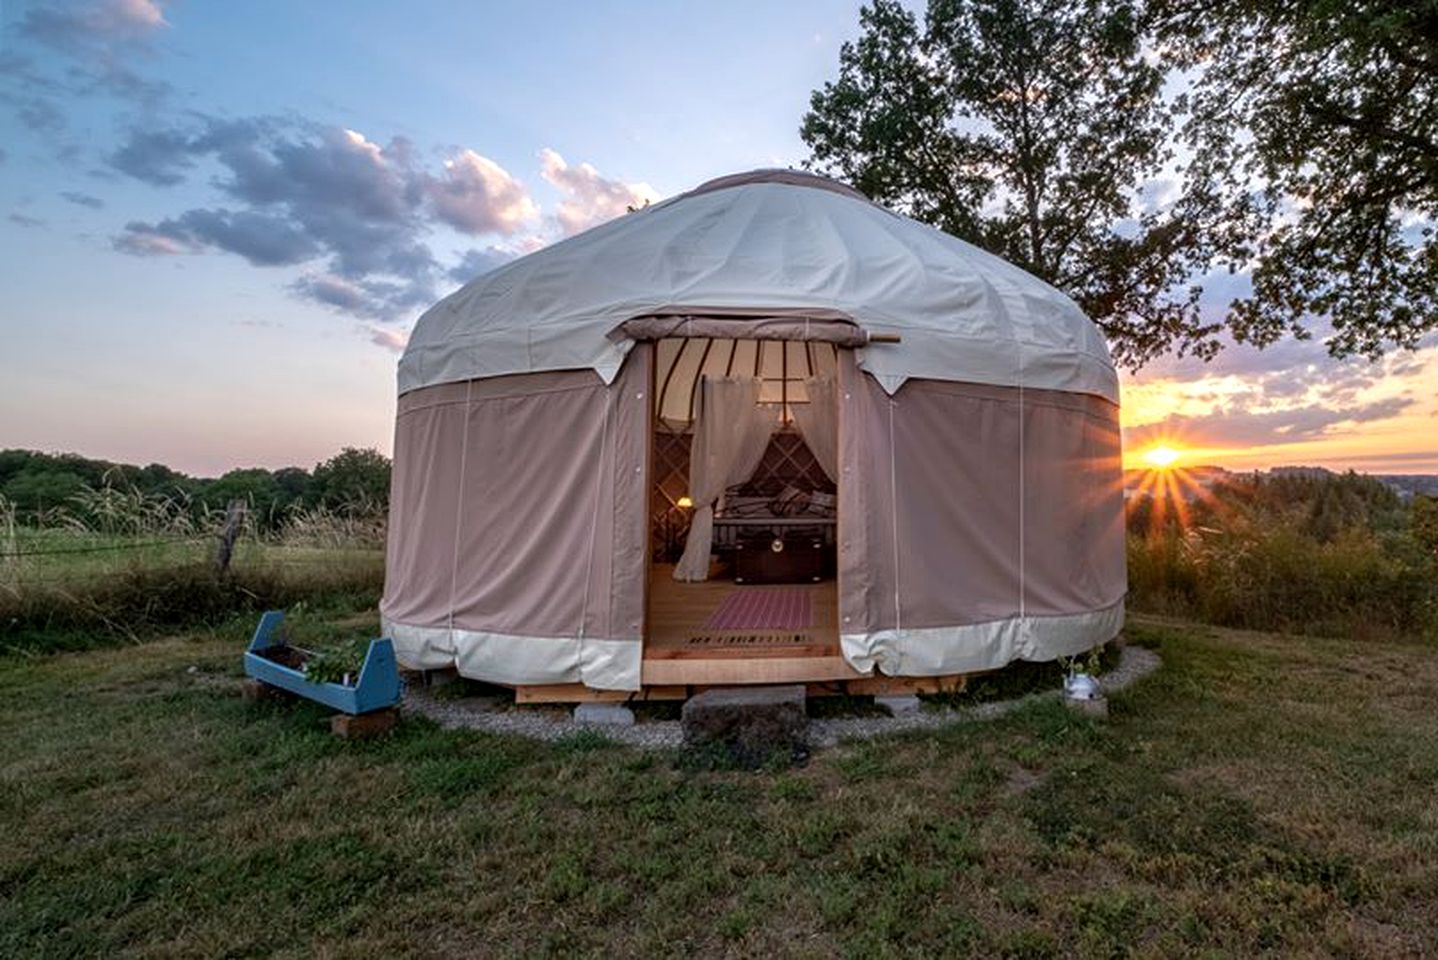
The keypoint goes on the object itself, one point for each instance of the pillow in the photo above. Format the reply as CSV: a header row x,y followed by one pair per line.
x,y
822,504
790,502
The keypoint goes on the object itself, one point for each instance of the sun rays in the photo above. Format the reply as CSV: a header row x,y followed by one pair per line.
x,y
1168,486
1161,457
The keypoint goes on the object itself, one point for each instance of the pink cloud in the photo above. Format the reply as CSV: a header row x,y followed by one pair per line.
x,y
476,195
590,198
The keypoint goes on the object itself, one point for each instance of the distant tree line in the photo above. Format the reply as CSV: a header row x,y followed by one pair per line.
x,y
354,480
1309,551
1320,504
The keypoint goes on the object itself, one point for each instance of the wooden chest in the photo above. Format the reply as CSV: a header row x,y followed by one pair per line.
x,y
782,559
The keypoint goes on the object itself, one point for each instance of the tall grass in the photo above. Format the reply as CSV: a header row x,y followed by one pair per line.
x,y
1272,576
116,564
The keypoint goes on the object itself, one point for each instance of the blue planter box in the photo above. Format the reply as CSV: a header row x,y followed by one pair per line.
x,y
377,687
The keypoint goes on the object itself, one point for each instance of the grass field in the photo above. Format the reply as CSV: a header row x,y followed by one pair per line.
x,y
1258,795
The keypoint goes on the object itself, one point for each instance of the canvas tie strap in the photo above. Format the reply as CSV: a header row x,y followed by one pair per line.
x,y
459,505
894,518
594,513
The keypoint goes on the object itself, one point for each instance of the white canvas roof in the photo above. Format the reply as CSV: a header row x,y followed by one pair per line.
x,y
768,243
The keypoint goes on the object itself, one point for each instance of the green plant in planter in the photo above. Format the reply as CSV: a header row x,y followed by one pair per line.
x,y
335,663
1091,663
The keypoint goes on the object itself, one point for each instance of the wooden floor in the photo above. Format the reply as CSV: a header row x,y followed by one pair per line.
x,y
680,649
683,656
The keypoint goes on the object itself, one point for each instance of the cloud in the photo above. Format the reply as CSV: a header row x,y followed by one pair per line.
x,y
264,241
40,115
394,340
590,198
1234,427
476,195
477,262
375,299
358,210
157,157
304,192
82,199
19,219
165,239
77,27
335,292
99,38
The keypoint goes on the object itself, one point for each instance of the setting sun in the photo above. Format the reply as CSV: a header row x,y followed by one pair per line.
x,y
1161,457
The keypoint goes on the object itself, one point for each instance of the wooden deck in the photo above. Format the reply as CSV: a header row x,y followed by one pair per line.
x,y
680,649
682,656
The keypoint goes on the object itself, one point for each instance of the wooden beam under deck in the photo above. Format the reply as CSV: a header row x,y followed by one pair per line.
x,y
856,686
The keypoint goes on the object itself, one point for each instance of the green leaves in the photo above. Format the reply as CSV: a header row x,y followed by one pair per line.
x,y
1295,143
1026,128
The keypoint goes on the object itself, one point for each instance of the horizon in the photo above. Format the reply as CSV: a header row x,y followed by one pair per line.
x,y
220,234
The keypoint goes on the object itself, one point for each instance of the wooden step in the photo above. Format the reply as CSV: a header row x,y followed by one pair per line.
x,y
745,670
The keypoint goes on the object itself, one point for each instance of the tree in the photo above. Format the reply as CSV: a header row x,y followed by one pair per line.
x,y
40,487
352,478
1319,119
1300,144
255,486
1425,523
1028,127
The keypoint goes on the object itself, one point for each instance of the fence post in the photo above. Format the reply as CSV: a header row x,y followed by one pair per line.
x,y
234,521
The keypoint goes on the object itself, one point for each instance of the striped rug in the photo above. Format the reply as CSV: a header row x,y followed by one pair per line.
x,y
764,608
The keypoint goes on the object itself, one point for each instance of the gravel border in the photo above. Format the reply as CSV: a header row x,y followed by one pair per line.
x,y
1134,663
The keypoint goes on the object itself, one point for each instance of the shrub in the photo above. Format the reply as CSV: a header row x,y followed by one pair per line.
x,y
1272,576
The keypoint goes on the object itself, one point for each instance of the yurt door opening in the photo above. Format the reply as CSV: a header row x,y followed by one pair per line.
x,y
744,508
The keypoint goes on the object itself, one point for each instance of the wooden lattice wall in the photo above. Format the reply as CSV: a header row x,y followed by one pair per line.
x,y
787,462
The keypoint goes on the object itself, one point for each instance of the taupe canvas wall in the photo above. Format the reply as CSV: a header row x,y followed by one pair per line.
x,y
965,505
518,514
977,524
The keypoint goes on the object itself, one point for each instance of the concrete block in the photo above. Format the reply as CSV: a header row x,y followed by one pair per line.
x,y
752,723
440,678
899,705
610,714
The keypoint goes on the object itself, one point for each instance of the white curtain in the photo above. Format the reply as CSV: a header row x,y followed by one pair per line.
x,y
818,423
731,432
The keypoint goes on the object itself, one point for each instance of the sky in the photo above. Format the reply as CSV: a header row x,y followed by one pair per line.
x,y
218,221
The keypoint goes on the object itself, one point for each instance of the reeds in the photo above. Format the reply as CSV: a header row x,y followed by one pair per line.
x,y
114,564
1272,576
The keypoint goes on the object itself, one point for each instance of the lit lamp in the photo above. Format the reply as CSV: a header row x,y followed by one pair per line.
x,y
672,528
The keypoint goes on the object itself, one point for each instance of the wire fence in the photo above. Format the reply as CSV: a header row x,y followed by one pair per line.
x,y
18,554
23,566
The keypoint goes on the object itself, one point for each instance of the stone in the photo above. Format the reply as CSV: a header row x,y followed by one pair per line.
x,y
362,726
899,705
440,678
608,714
753,724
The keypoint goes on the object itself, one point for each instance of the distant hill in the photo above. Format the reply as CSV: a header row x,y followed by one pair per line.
x,y
1407,484
1199,478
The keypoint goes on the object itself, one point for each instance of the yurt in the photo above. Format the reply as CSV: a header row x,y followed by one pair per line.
x,y
766,431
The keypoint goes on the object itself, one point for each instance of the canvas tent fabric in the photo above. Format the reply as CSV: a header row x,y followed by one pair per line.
x,y
778,241
980,509
518,527
978,525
